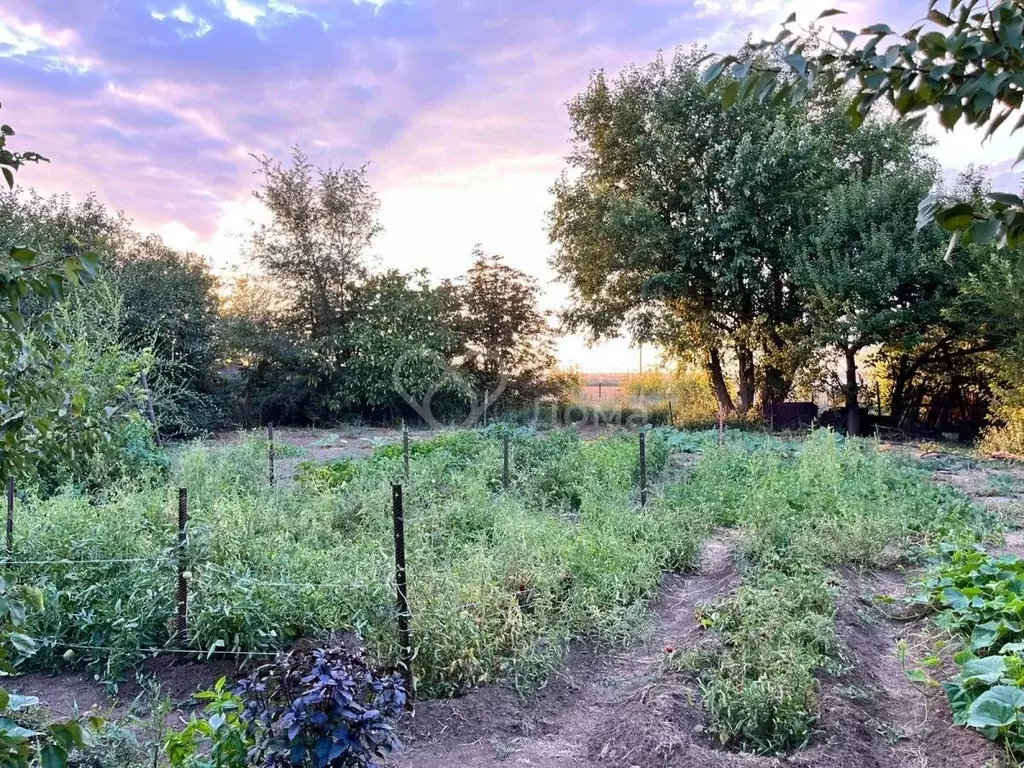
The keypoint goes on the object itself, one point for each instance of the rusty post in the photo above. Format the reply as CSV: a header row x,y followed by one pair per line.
x,y
182,573
405,450
671,418
721,426
270,452
404,632
643,469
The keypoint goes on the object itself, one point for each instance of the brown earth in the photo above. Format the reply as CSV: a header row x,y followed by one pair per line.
x,y
576,719
178,679
626,710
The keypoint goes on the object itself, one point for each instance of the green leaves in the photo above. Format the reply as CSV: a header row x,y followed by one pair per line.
x,y
988,670
998,707
52,756
962,68
984,598
712,73
956,217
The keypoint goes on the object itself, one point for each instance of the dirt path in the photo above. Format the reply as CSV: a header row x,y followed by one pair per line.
x,y
625,711
873,715
577,720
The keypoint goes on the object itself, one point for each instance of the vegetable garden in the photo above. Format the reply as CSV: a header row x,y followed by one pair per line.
x,y
505,582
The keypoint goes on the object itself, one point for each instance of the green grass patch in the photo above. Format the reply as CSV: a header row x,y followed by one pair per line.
x,y
759,687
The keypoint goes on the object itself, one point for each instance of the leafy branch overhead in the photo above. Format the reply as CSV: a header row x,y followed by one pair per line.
x,y
12,161
964,64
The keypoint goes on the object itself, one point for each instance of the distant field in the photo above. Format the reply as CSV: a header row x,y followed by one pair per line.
x,y
602,386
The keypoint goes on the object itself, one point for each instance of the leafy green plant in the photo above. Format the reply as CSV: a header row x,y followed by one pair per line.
x,y
219,738
331,474
980,598
499,581
22,745
321,709
760,688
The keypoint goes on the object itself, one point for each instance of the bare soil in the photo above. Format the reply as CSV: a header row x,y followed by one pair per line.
x,y
178,679
627,711
580,717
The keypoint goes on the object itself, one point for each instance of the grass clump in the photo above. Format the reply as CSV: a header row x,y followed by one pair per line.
x,y
759,686
800,509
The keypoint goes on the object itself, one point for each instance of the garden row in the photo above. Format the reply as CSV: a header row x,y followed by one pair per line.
x,y
502,580
499,581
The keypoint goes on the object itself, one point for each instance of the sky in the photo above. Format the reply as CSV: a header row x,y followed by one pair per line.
x,y
459,106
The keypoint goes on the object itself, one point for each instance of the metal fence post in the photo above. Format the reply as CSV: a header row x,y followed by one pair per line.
x,y
10,521
643,469
721,426
671,418
405,450
404,633
504,462
182,555
270,452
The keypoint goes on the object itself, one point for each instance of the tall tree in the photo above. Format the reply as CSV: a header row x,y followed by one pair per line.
x,y
322,224
871,274
509,346
681,221
965,64
171,307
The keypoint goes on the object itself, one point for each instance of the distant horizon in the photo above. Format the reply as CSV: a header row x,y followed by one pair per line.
x,y
458,107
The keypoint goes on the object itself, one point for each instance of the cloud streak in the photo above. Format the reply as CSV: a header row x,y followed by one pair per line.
x,y
460,104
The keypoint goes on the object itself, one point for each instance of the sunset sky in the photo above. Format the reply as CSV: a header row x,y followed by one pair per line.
x,y
459,106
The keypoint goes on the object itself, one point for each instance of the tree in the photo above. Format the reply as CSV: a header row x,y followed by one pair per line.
x,y
871,274
30,405
31,400
407,333
323,222
171,308
966,64
508,338
682,221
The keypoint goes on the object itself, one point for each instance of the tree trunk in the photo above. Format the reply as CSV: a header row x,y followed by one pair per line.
x,y
748,378
852,406
714,366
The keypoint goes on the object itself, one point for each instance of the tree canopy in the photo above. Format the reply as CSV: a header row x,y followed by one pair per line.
x,y
684,222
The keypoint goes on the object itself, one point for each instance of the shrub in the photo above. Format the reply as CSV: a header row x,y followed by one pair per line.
x,y
760,692
321,709
1008,437
218,739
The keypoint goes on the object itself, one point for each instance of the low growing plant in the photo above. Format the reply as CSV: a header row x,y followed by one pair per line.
x,y
980,599
760,687
321,709
219,738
